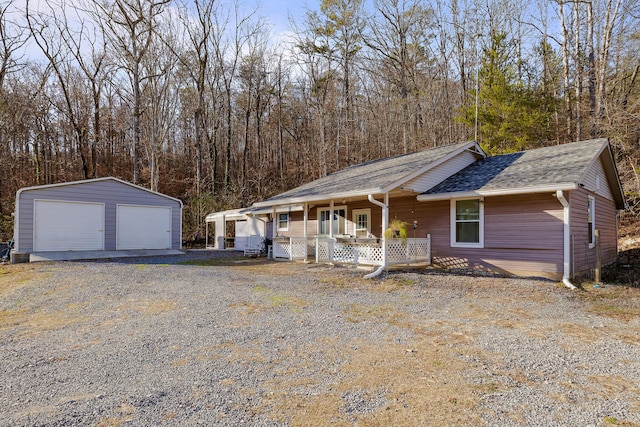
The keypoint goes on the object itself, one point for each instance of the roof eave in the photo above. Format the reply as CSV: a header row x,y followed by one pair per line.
x,y
318,198
87,181
500,192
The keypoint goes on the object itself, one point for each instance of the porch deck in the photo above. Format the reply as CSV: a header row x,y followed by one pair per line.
x,y
353,251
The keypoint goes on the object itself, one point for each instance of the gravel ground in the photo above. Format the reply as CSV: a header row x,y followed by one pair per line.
x,y
150,342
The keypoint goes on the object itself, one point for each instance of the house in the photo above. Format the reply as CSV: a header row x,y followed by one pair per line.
x,y
104,214
532,213
345,214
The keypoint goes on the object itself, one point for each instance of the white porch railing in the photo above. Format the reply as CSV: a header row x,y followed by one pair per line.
x,y
414,250
292,248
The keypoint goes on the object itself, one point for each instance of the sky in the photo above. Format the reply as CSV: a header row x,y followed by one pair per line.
x,y
276,13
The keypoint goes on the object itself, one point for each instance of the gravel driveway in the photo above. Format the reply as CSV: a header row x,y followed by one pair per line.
x,y
248,342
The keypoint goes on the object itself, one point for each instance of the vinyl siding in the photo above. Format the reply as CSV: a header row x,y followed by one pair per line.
x,y
441,172
595,180
109,192
522,235
296,225
605,221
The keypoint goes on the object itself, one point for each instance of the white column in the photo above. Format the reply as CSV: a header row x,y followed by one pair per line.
x,y
385,225
331,219
305,233
274,223
306,219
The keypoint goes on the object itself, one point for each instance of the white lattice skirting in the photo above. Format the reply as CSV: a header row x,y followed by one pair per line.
x,y
333,251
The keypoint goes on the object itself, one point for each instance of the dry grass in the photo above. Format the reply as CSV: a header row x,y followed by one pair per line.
x,y
274,299
377,381
15,276
374,384
617,301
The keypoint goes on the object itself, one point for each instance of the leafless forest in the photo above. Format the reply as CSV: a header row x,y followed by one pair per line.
x,y
201,100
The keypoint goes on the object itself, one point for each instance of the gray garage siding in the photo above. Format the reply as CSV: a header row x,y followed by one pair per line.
x,y
110,191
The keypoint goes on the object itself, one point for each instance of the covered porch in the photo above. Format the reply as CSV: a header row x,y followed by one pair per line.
x,y
351,230
367,252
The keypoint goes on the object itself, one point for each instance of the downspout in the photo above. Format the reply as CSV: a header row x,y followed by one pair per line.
x,y
567,239
385,220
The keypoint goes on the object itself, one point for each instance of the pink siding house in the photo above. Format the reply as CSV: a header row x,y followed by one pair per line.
x,y
538,211
532,213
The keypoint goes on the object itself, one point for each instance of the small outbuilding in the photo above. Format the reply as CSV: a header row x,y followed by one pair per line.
x,y
233,229
103,214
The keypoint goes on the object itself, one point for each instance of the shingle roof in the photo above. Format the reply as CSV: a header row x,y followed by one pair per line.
x,y
366,178
543,167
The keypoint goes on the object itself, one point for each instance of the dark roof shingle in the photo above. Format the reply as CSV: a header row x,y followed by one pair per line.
x,y
548,166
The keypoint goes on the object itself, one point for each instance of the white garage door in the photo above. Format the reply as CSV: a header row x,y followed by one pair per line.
x,y
143,227
68,226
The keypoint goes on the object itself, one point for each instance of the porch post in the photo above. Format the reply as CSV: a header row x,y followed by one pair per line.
x,y
385,225
224,232
274,225
306,219
331,219
306,223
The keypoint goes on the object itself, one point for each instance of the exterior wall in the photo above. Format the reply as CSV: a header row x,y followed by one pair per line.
x,y
523,235
595,180
584,257
109,192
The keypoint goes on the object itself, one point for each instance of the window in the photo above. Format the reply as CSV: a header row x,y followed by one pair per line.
x,y
283,222
339,220
467,223
361,223
591,221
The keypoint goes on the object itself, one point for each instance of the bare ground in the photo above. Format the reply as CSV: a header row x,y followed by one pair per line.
x,y
244,341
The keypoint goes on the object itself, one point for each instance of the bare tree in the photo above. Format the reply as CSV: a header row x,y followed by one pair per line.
x,y
227,57
129,26
46,31
397,38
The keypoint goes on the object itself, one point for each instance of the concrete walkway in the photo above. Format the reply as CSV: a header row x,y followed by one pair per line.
x,y
78,255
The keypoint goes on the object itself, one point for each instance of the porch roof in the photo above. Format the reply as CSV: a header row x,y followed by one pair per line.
x,y
375,177
558,167
244,213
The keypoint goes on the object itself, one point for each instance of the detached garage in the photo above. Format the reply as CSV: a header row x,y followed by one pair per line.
x,y
104,214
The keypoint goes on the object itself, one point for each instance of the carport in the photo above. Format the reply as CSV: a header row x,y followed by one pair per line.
x,y
96,215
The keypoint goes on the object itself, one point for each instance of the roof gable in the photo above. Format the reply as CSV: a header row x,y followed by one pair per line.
x,y
375,177
87,181
555,167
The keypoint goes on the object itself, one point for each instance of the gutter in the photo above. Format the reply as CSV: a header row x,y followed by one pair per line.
x,y
495,192
385,220
567,239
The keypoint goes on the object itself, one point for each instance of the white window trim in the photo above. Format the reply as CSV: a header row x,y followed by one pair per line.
x,y
355,213
288,219
335,208
592,201
454,243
